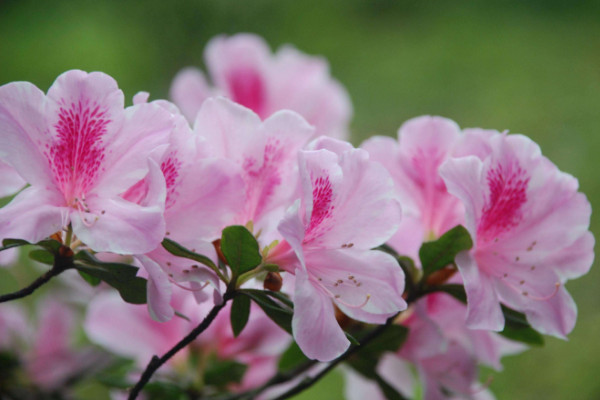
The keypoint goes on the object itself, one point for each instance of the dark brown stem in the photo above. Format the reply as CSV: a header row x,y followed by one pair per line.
x,y
156,362
62,262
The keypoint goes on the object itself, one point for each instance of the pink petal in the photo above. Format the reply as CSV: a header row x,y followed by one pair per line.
x,y
292,229
23,131
128,330
575,260
229,128
357,387
397,373
145,129
120,226
159,291
463,178
303,84
547,304
10,181
34,214
363,196
483,307
212,191
314,325
365,285
189,90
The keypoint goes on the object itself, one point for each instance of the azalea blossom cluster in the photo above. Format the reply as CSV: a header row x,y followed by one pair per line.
x,y
240,209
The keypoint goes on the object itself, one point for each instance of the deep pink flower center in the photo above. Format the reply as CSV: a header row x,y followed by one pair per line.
x,y
246,88
508,192
170,168
78,153
322,206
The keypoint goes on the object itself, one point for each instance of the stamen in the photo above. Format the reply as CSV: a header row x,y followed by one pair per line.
x,y
187,288
337,297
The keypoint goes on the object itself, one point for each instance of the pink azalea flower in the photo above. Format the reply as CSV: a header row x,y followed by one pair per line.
x,y
243,69
530,231
348,206
413,160
79,149
264,151
203,196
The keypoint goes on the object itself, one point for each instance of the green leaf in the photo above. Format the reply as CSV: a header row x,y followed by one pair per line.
x,y
92,280
8,243
437,254
42,256
116,374
49,244
240,311
180,251
280,314
120,276
222,372
291,358
164,390
518,329
240,249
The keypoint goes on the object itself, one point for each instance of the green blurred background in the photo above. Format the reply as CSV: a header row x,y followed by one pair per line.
x,y
529,66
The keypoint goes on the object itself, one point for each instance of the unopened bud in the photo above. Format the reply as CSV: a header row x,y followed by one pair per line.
x,y
273,282
217,244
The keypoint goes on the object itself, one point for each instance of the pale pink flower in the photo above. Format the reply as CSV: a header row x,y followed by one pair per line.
x,y
47,352
203,196
444,351
243,69
79,149
128,330
264,151
530,231
347,207
413,160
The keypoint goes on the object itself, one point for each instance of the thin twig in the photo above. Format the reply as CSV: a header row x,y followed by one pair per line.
x,y
62,262
156,362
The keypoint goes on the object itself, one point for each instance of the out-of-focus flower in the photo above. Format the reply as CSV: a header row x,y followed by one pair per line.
x,y
413,160
47,354
266,152
203,195
347,207
129,331
243,69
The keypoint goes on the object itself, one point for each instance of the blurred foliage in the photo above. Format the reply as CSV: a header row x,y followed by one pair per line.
x,y
530,66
